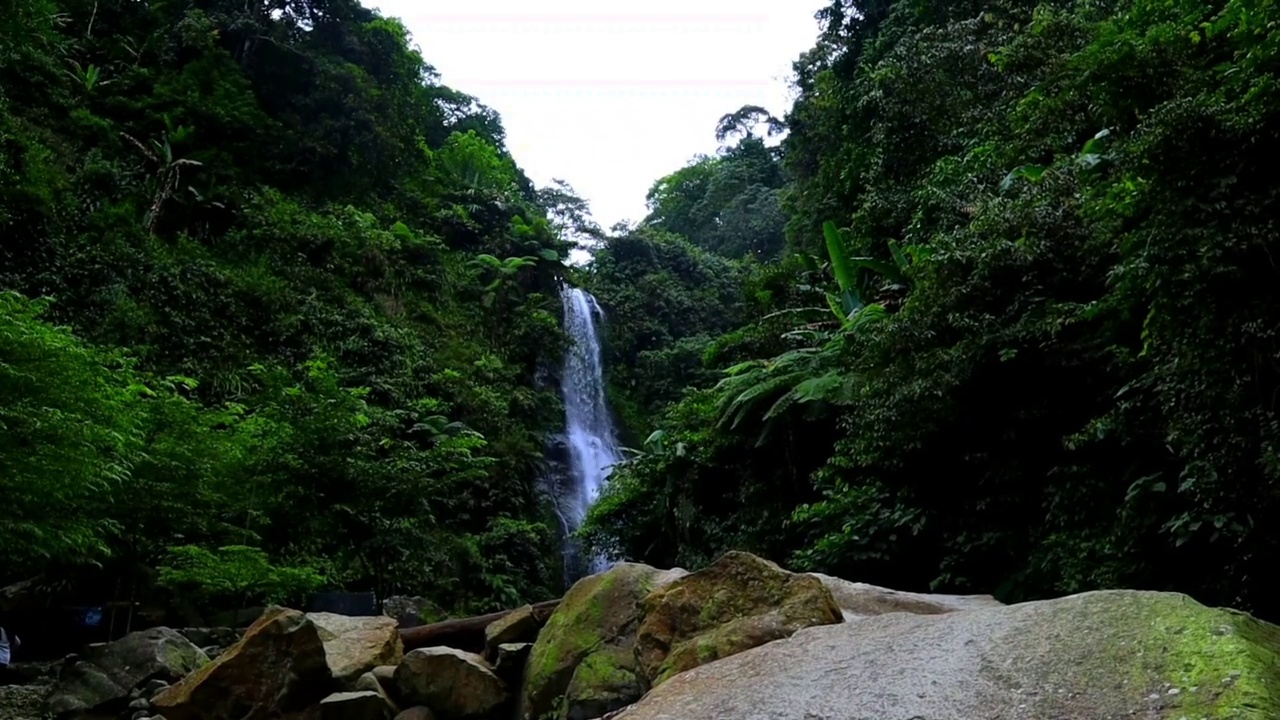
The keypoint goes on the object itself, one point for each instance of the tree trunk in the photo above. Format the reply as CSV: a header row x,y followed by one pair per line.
x,y
465,633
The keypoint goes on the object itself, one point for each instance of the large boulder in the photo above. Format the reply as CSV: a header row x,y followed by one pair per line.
x,y
597,620
356,645
107,673
737,603
857,600
279,667
1110,654
455,684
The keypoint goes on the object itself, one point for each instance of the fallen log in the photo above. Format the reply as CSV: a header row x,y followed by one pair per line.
x,y
465,633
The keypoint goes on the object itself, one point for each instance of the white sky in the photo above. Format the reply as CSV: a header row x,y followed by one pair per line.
x,y
611,100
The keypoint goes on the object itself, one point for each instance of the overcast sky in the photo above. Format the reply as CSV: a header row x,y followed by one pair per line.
x,y
611,100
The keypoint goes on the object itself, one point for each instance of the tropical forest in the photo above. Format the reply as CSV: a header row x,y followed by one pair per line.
x,y
991,308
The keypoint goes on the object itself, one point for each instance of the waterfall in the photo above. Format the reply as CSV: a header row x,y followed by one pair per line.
x,y
590,439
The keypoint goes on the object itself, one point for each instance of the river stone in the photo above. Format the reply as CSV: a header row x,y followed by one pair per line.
x,y
512,658
517,626
277,668
107,675
862,600
359,705
366,683
738,602
599,615
356,645
1099,655
456,684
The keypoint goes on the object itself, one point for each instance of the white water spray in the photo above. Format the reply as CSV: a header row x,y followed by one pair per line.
x,y
589,431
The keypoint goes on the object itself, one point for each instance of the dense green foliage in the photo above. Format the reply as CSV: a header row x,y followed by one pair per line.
x,y
999,314
675,282
1053,361
730,204
293,297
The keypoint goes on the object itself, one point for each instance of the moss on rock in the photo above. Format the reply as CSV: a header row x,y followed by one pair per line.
x,y
1111,650
599,615
604,681
1108,655
739,602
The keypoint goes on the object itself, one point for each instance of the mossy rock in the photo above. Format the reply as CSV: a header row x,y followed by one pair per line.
x,y
1104,655
109,671
739,602
599,614
604,681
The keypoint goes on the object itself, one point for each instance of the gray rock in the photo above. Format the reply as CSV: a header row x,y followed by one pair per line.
x,y
356,706
1103,655
153,686
367,682
518,626
417,713
141,715
512,658
140,704
456,685
386,674
108,673
862,600
356,645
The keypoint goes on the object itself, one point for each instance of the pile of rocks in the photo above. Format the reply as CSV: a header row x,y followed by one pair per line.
x,y
742,638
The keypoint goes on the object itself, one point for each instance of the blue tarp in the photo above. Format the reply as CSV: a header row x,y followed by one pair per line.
x,y
344,603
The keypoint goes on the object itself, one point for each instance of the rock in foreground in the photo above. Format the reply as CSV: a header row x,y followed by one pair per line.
x,y
455,684
278,667
584,660
738,602
1094,656
356,645
107,673
359,705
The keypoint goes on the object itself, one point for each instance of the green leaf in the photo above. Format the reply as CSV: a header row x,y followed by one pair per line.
x,y
898,256
1030,172
839,259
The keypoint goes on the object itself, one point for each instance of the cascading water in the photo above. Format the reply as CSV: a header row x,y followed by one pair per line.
x,y
590,437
